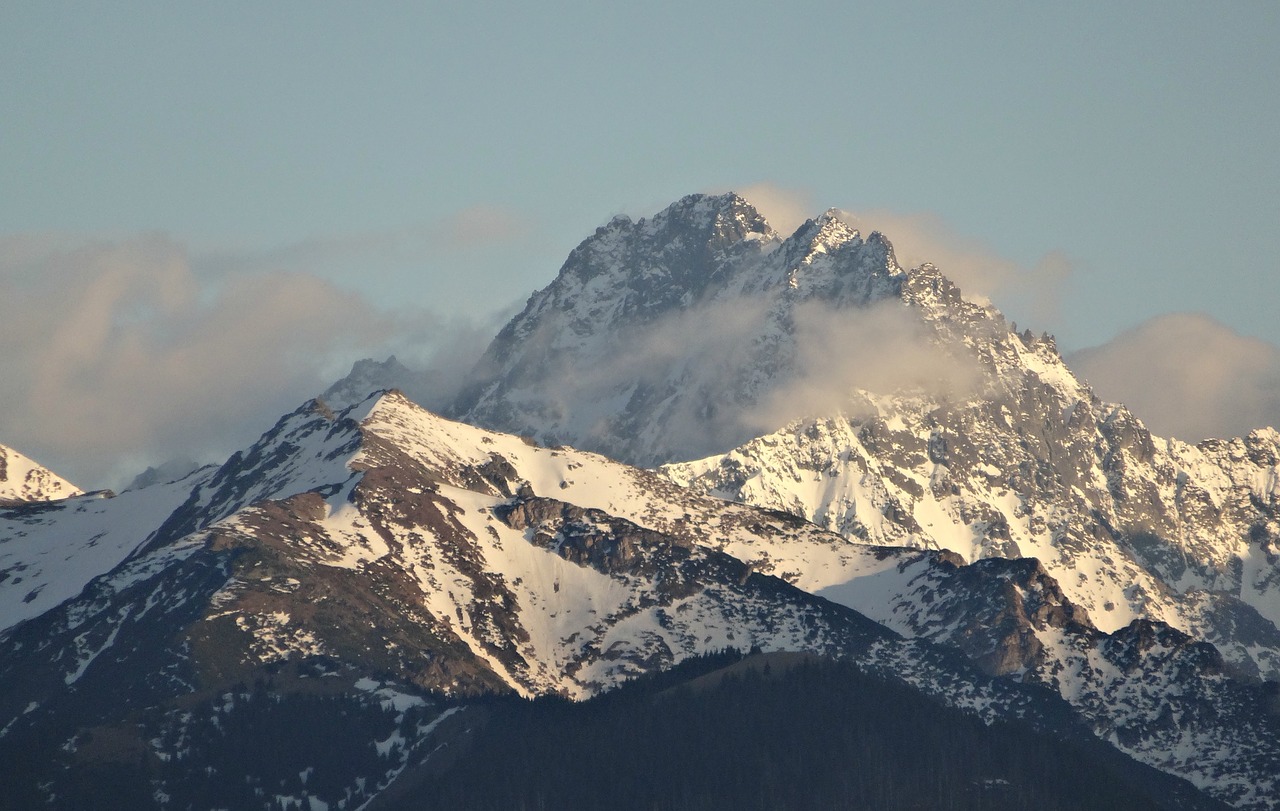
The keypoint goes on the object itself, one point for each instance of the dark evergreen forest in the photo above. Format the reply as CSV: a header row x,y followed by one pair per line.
x,y
773,732
726,731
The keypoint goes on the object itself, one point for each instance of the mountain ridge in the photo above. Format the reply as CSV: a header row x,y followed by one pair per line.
x,y
899,480
460,561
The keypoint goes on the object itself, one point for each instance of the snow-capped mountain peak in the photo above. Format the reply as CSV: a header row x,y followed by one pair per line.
x,y
823,233
24,480
668,338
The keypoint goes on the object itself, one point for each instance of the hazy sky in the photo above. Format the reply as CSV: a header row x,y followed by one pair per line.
x,y
215,206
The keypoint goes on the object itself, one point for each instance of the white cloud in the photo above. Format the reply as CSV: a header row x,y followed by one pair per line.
x,y
119,353
785,208
732,377
977,269
1023,292
883,349
1187,375
115,354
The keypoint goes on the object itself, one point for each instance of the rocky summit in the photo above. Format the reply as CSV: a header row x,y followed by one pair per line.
x,y
702,443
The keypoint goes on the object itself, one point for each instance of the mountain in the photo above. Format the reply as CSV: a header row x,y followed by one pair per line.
x,y
438,538
403,565
678,336
1131,526
168,471
879,402
659,336
858,463
368,376
22,480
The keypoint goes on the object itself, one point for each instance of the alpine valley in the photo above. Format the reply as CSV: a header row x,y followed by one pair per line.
x,y
722,519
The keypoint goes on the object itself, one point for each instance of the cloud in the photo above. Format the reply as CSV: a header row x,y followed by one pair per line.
x,y
480,226
785,208
440,352
883,349
673,368
720,373
1033,292
117,353
706,351
477,228
114,354
1187,375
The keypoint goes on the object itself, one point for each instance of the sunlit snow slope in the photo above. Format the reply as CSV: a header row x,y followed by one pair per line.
x,y
22,480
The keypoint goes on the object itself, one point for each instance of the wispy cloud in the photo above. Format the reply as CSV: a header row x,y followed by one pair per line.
x,y
883,349
1187,375
785,208
1027,292
1033,292
475,228
718,374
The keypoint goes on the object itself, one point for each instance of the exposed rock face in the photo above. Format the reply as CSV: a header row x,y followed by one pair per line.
x,y
367,376
164,473
661,338
1129,525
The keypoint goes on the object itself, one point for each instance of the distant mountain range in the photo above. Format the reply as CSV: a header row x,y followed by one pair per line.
x,y
844,458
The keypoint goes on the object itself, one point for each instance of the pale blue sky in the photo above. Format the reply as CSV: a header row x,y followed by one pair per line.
x,y
1140,138
446,157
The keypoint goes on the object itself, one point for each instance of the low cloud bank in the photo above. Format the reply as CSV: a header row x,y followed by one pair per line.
x,y
882,349
116,355
1188,376
120,353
